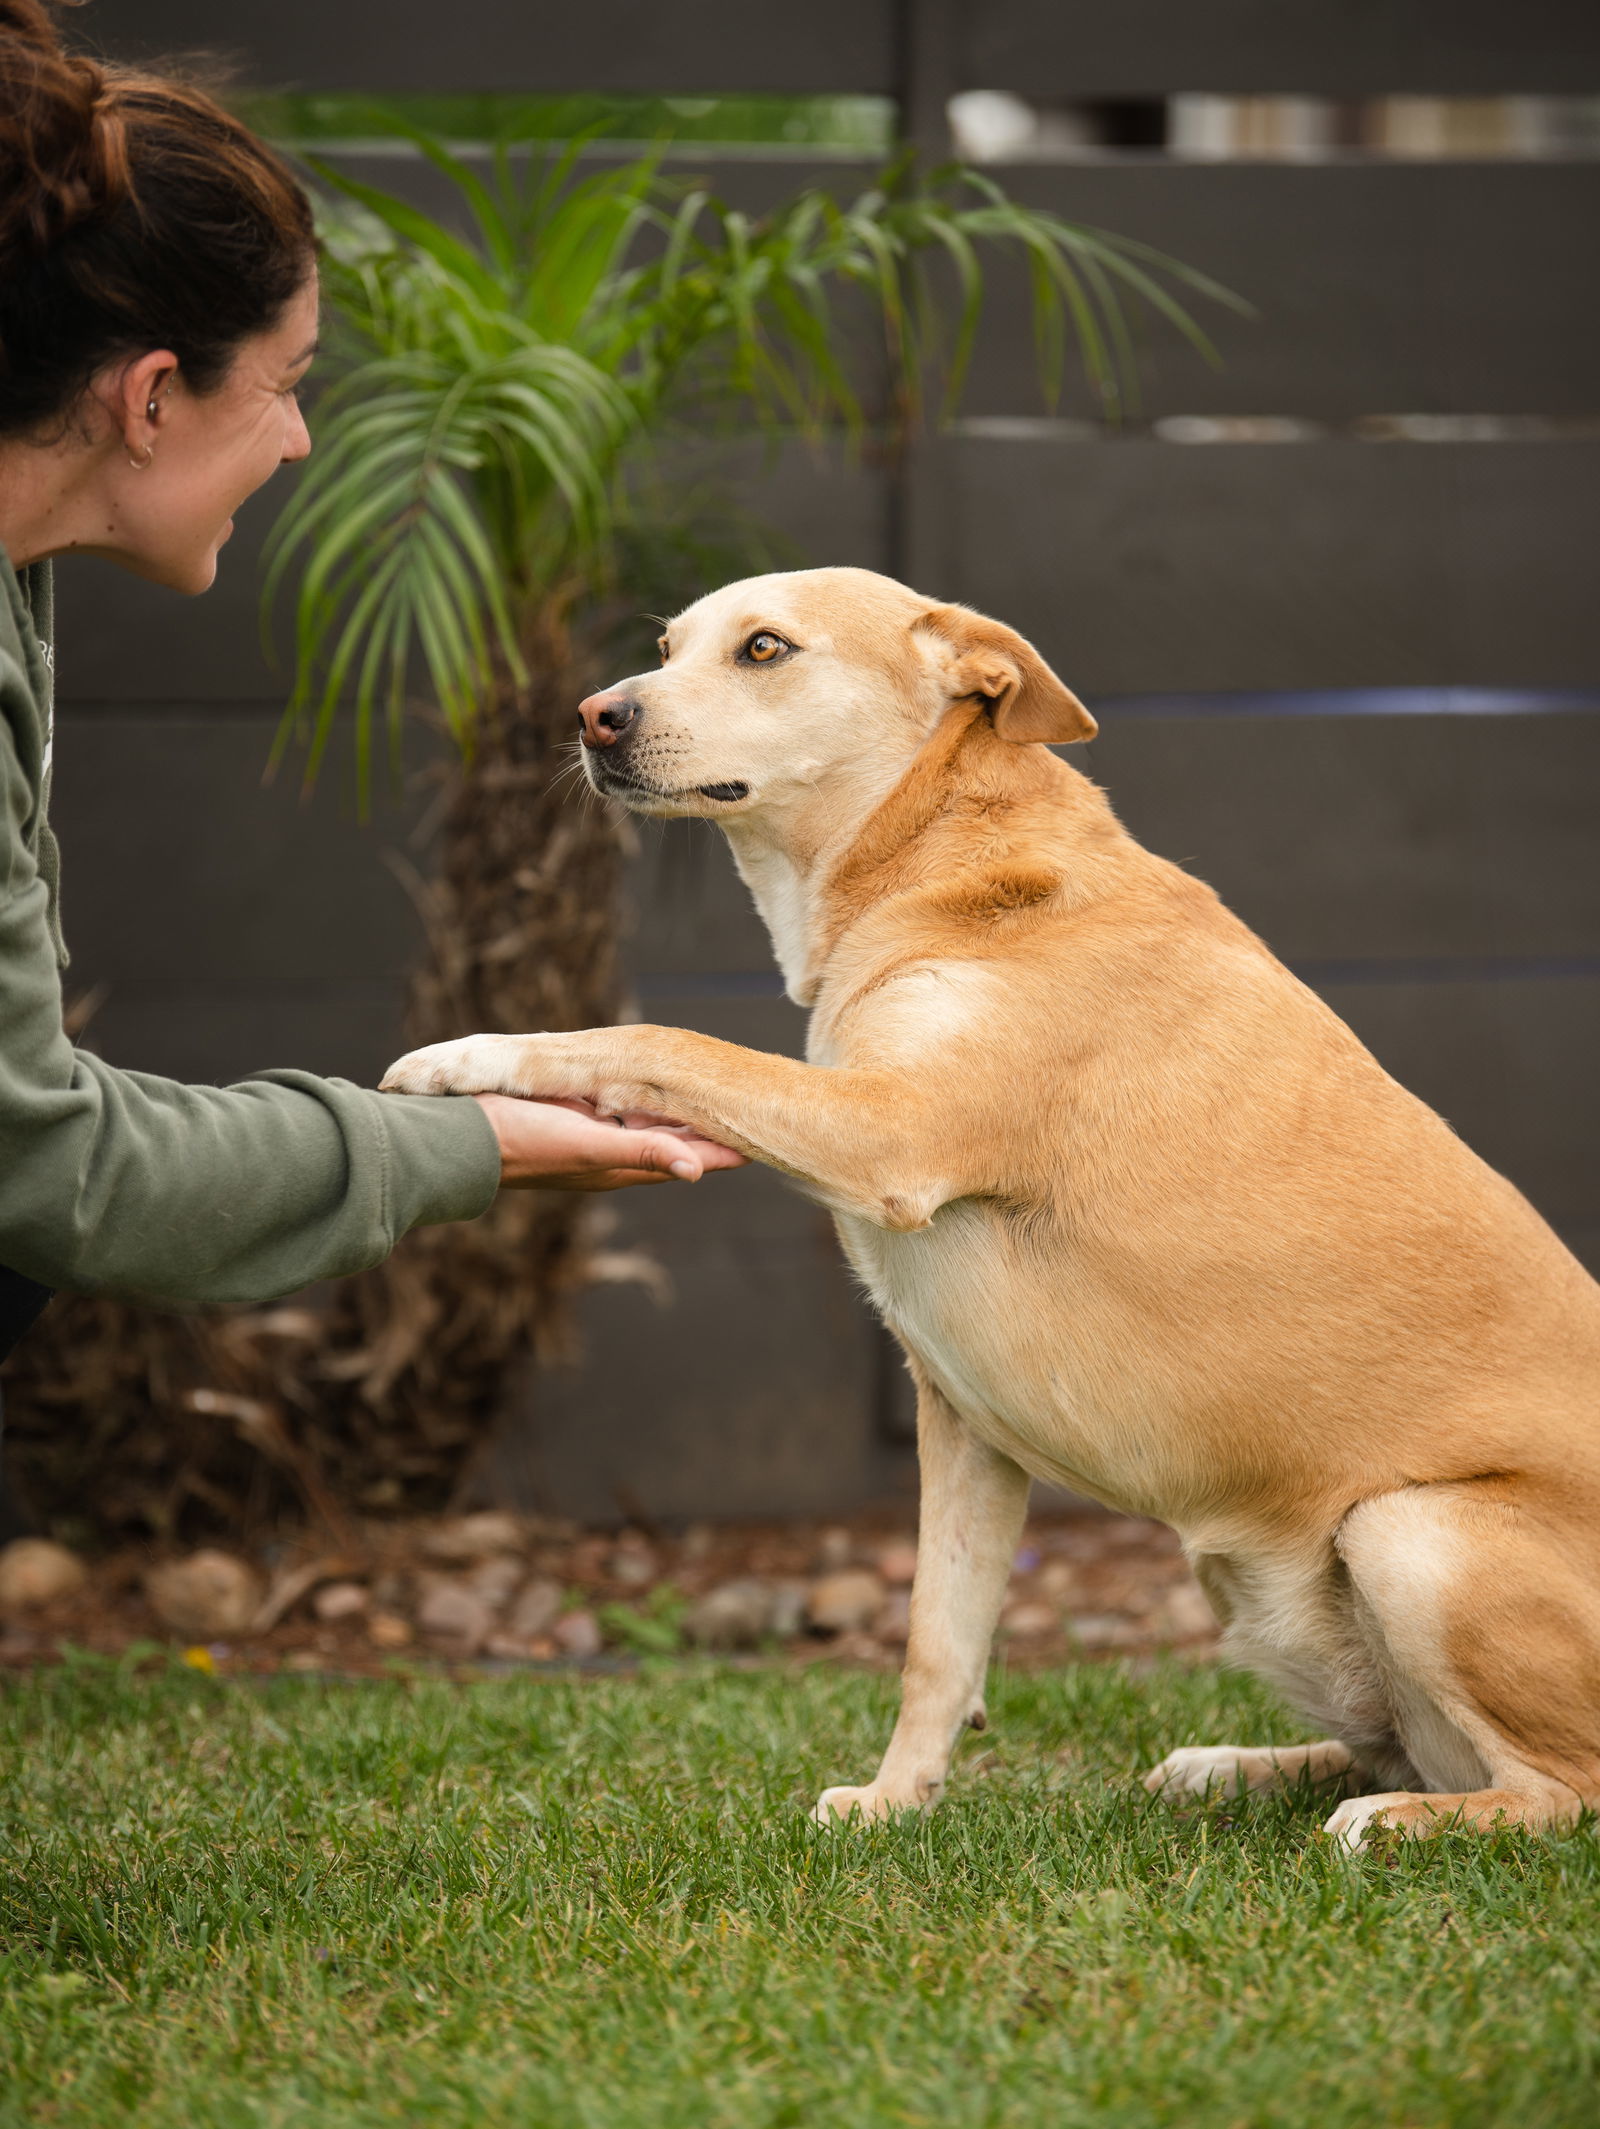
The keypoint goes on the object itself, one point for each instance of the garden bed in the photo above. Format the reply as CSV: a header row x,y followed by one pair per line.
x,y
497,1590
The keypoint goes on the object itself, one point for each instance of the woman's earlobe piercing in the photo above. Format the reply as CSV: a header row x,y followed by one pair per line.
x,y
139,464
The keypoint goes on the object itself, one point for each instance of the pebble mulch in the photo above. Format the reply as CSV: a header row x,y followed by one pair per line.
x,y
498,1591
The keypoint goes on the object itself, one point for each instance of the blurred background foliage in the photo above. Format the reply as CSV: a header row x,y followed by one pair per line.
x,y
855,125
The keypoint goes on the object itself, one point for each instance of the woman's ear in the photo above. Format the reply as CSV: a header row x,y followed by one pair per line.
x,y
983,657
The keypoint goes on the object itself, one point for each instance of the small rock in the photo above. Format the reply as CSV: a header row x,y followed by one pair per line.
x,y
844,1602
788,1609
835,1549
512,1648
893,1622
1186,1613
339,1600
577,1634
1029,1620
633,1564
1102,1630
897,1563
1060,1580
206,1597
494,1579
35,1571
737,1614
454,1613
389,1630
587,1560
466,1538
698,1540
536,1610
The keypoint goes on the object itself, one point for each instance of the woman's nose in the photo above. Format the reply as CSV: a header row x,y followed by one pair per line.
x,y
297,442
606,717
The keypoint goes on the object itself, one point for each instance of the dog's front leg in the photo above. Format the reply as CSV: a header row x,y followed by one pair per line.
x,y
868,1143
973,1504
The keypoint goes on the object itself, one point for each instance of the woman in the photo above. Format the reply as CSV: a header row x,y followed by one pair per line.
x,y
158,305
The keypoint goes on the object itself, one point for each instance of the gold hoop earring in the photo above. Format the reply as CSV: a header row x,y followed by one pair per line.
x,y
139,464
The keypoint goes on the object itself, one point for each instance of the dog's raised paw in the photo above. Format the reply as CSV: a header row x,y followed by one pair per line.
x,y
467,1066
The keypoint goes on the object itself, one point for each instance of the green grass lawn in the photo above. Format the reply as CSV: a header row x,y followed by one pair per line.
x,y
598,1902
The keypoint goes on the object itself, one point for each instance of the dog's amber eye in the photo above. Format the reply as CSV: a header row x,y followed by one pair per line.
x,y
664,648
763,648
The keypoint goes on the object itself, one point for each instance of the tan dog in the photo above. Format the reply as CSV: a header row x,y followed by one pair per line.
x,y
1147,1218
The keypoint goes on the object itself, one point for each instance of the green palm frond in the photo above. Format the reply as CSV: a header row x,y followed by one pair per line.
x,y
499,392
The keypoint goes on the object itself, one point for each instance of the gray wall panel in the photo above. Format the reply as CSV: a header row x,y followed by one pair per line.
x,y
181,868
539,45
1378,838
120,640
213,1034
1326,47
752,1394
1510,1065
1331,47
1143,566
692,912
1382,287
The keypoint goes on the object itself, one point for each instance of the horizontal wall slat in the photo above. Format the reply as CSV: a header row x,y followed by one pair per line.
x,y
1076,48
120,640
1144,566
1449,841
1066,49
541,46
169,801
1381,287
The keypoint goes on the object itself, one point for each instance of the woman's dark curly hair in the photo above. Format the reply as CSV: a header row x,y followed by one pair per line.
x,y
135,213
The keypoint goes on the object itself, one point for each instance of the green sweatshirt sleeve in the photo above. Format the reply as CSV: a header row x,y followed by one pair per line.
x,y
118,1182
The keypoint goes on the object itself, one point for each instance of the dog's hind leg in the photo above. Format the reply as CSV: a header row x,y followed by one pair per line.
x,y
973,1504
1483,1614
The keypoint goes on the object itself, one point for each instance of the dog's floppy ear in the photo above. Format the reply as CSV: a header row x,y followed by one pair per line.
x,y
984,657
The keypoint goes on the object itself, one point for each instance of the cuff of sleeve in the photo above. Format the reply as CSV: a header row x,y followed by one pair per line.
x,y
444,1159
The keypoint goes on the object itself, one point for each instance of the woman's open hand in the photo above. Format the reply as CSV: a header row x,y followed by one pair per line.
x,y
559,1145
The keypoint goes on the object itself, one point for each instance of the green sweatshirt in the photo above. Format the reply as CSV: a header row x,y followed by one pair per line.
x,y
118,1182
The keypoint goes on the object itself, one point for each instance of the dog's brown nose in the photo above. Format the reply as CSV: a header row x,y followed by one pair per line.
x,y
605,718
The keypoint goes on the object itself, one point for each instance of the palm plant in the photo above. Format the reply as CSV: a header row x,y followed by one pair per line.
x,y
478,460
510,381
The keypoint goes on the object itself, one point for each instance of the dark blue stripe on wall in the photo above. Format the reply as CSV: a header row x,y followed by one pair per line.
x,y
1355,702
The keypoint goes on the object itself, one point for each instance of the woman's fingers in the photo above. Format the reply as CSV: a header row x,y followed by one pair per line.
x,y
557,1146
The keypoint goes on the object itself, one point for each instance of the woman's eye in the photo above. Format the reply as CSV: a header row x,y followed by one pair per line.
x,y
764,648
